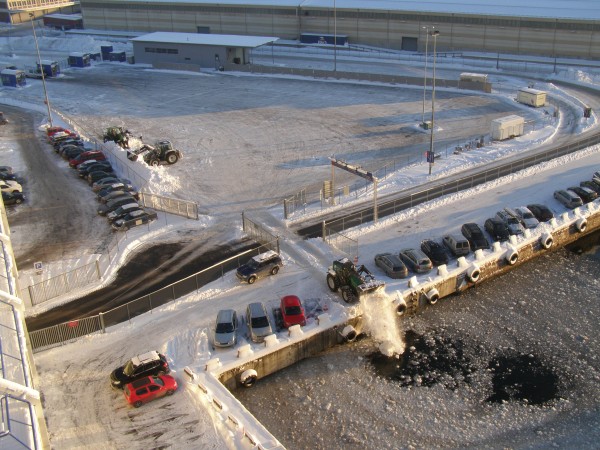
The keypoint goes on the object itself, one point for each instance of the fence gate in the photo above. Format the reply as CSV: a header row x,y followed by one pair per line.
x,y
292,204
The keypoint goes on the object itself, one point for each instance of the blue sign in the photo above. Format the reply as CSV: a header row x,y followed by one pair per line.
x,y
430,157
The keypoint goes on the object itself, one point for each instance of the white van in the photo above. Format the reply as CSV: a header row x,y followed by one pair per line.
x,y
457,244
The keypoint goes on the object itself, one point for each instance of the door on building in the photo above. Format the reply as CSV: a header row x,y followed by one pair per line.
x,y
409,44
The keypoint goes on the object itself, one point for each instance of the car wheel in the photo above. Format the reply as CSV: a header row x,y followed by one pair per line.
x,y
332,283
170,392
18,201
137,404
252,279
274,270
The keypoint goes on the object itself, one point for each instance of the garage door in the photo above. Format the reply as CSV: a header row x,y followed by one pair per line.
x,y
409,44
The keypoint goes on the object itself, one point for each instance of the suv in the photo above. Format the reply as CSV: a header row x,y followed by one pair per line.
x,y
497,229
259,266
258,322
457,244
225,328
513,224
568,198
435,251
416,260
146,364
526,217
475,236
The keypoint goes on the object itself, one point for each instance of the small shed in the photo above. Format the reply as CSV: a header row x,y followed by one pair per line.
x,y
13,78
50,68
64,21
507,127
531,97
77,59
473,77
117,56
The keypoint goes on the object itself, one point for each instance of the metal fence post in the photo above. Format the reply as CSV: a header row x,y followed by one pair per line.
x,y
102,326
323,231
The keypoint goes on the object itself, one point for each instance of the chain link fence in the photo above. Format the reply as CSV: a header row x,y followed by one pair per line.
x,y
184,208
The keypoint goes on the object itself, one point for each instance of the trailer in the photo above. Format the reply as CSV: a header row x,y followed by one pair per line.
x,y
473,77
50,68
77,59
531,97
13,78
507,127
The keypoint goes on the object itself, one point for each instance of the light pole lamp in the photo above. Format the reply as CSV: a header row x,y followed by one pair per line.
x,y
425,75
334,38
41,69
434,34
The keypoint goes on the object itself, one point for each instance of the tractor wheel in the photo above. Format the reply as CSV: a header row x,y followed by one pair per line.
x,y
172,158
154,162
347,295
332,282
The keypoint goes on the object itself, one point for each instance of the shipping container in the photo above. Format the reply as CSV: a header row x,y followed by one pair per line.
x,y
507,127
13,78
531,97
50,68
473,77
77,59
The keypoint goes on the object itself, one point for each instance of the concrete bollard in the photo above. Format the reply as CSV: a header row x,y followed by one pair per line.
x,y
442,270
323,319
244,351
565,216
295,332
213,364
271,340
479,254
496,247
462,262
413,282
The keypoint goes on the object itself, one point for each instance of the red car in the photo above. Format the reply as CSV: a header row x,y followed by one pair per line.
x,y
292,311
85,156
50,131
150,388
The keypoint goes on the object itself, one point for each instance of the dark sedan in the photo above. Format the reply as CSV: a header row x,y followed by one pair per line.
x,y
497,229
12,198
391,265
541,212
586,194
435,251
475,236
591,185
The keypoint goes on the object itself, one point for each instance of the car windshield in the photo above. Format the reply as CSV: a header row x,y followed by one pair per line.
x,y
527,215
260,322
158,381
252,264
398,268
293,311
129,368
513,221
224,327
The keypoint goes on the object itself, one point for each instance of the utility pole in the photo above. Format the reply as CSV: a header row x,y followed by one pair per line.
x,y
435,34
41,70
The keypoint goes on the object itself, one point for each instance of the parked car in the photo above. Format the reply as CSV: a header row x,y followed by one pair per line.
x,y
416,260
526,217
110,195
100,184
71,152
259,324
98,175
85,169
475,236
10,186
541,212
133,219
73,141
7,169
514,225
114,203
392,265
143,365
596,177
568,198
587,195
95,154
435,251
292,312
260,266
118,186
8,176
457,244
150,388
12,198
122,211
591,185
497,229
50,131
226,327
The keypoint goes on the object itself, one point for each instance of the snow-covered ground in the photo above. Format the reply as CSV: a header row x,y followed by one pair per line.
x,y
228,168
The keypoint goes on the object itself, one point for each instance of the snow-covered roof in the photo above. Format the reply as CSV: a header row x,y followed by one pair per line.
x,y
588,10
532,91
11,72
230,40
64,16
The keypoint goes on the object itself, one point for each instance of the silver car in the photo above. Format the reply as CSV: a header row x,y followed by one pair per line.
x,y
226,328
568,198
416,260
513,224
526,217
258,322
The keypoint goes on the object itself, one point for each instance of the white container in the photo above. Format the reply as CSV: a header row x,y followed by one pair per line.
x,y
531,97
507,127
473,77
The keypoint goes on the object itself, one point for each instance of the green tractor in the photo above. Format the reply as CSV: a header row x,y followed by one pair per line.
x,y
119,135
353,281
154,155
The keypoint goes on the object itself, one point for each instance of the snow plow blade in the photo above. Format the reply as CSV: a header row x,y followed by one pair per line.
x,y
371,286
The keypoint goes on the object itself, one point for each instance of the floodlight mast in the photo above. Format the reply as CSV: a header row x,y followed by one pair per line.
x,y
41,70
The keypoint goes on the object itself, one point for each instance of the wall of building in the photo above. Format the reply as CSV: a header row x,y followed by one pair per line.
x,y
548,37
191,54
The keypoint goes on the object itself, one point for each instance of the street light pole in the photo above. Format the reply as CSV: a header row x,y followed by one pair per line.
x,y
435,34
334,38
425,76
41,70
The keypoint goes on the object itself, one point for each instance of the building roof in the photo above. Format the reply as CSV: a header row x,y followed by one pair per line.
x,y
588,10
64,16
228,40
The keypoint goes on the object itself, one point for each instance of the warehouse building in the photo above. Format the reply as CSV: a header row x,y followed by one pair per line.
x,y
177,50
510,26
19,11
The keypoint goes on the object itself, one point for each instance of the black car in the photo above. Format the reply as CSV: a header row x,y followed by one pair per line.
x,y
146,364
99,174
475,236
586,194
12,198
8,176
259,266
591,185
134,219
497,229
71,152
435,251
95,166
541,212
114,203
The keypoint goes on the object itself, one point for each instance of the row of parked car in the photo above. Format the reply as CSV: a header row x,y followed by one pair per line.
x,y
118,197
12,190
507,222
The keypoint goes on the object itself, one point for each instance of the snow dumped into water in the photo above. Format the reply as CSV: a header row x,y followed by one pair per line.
x,y
381,322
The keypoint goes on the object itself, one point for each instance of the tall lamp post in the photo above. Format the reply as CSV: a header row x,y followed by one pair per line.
x,y
41,70
430,158
425,76
334,38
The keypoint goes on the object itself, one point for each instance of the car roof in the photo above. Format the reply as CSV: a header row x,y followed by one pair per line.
x,y
141,382
257,308
265,256
290,300
145,357
225,315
